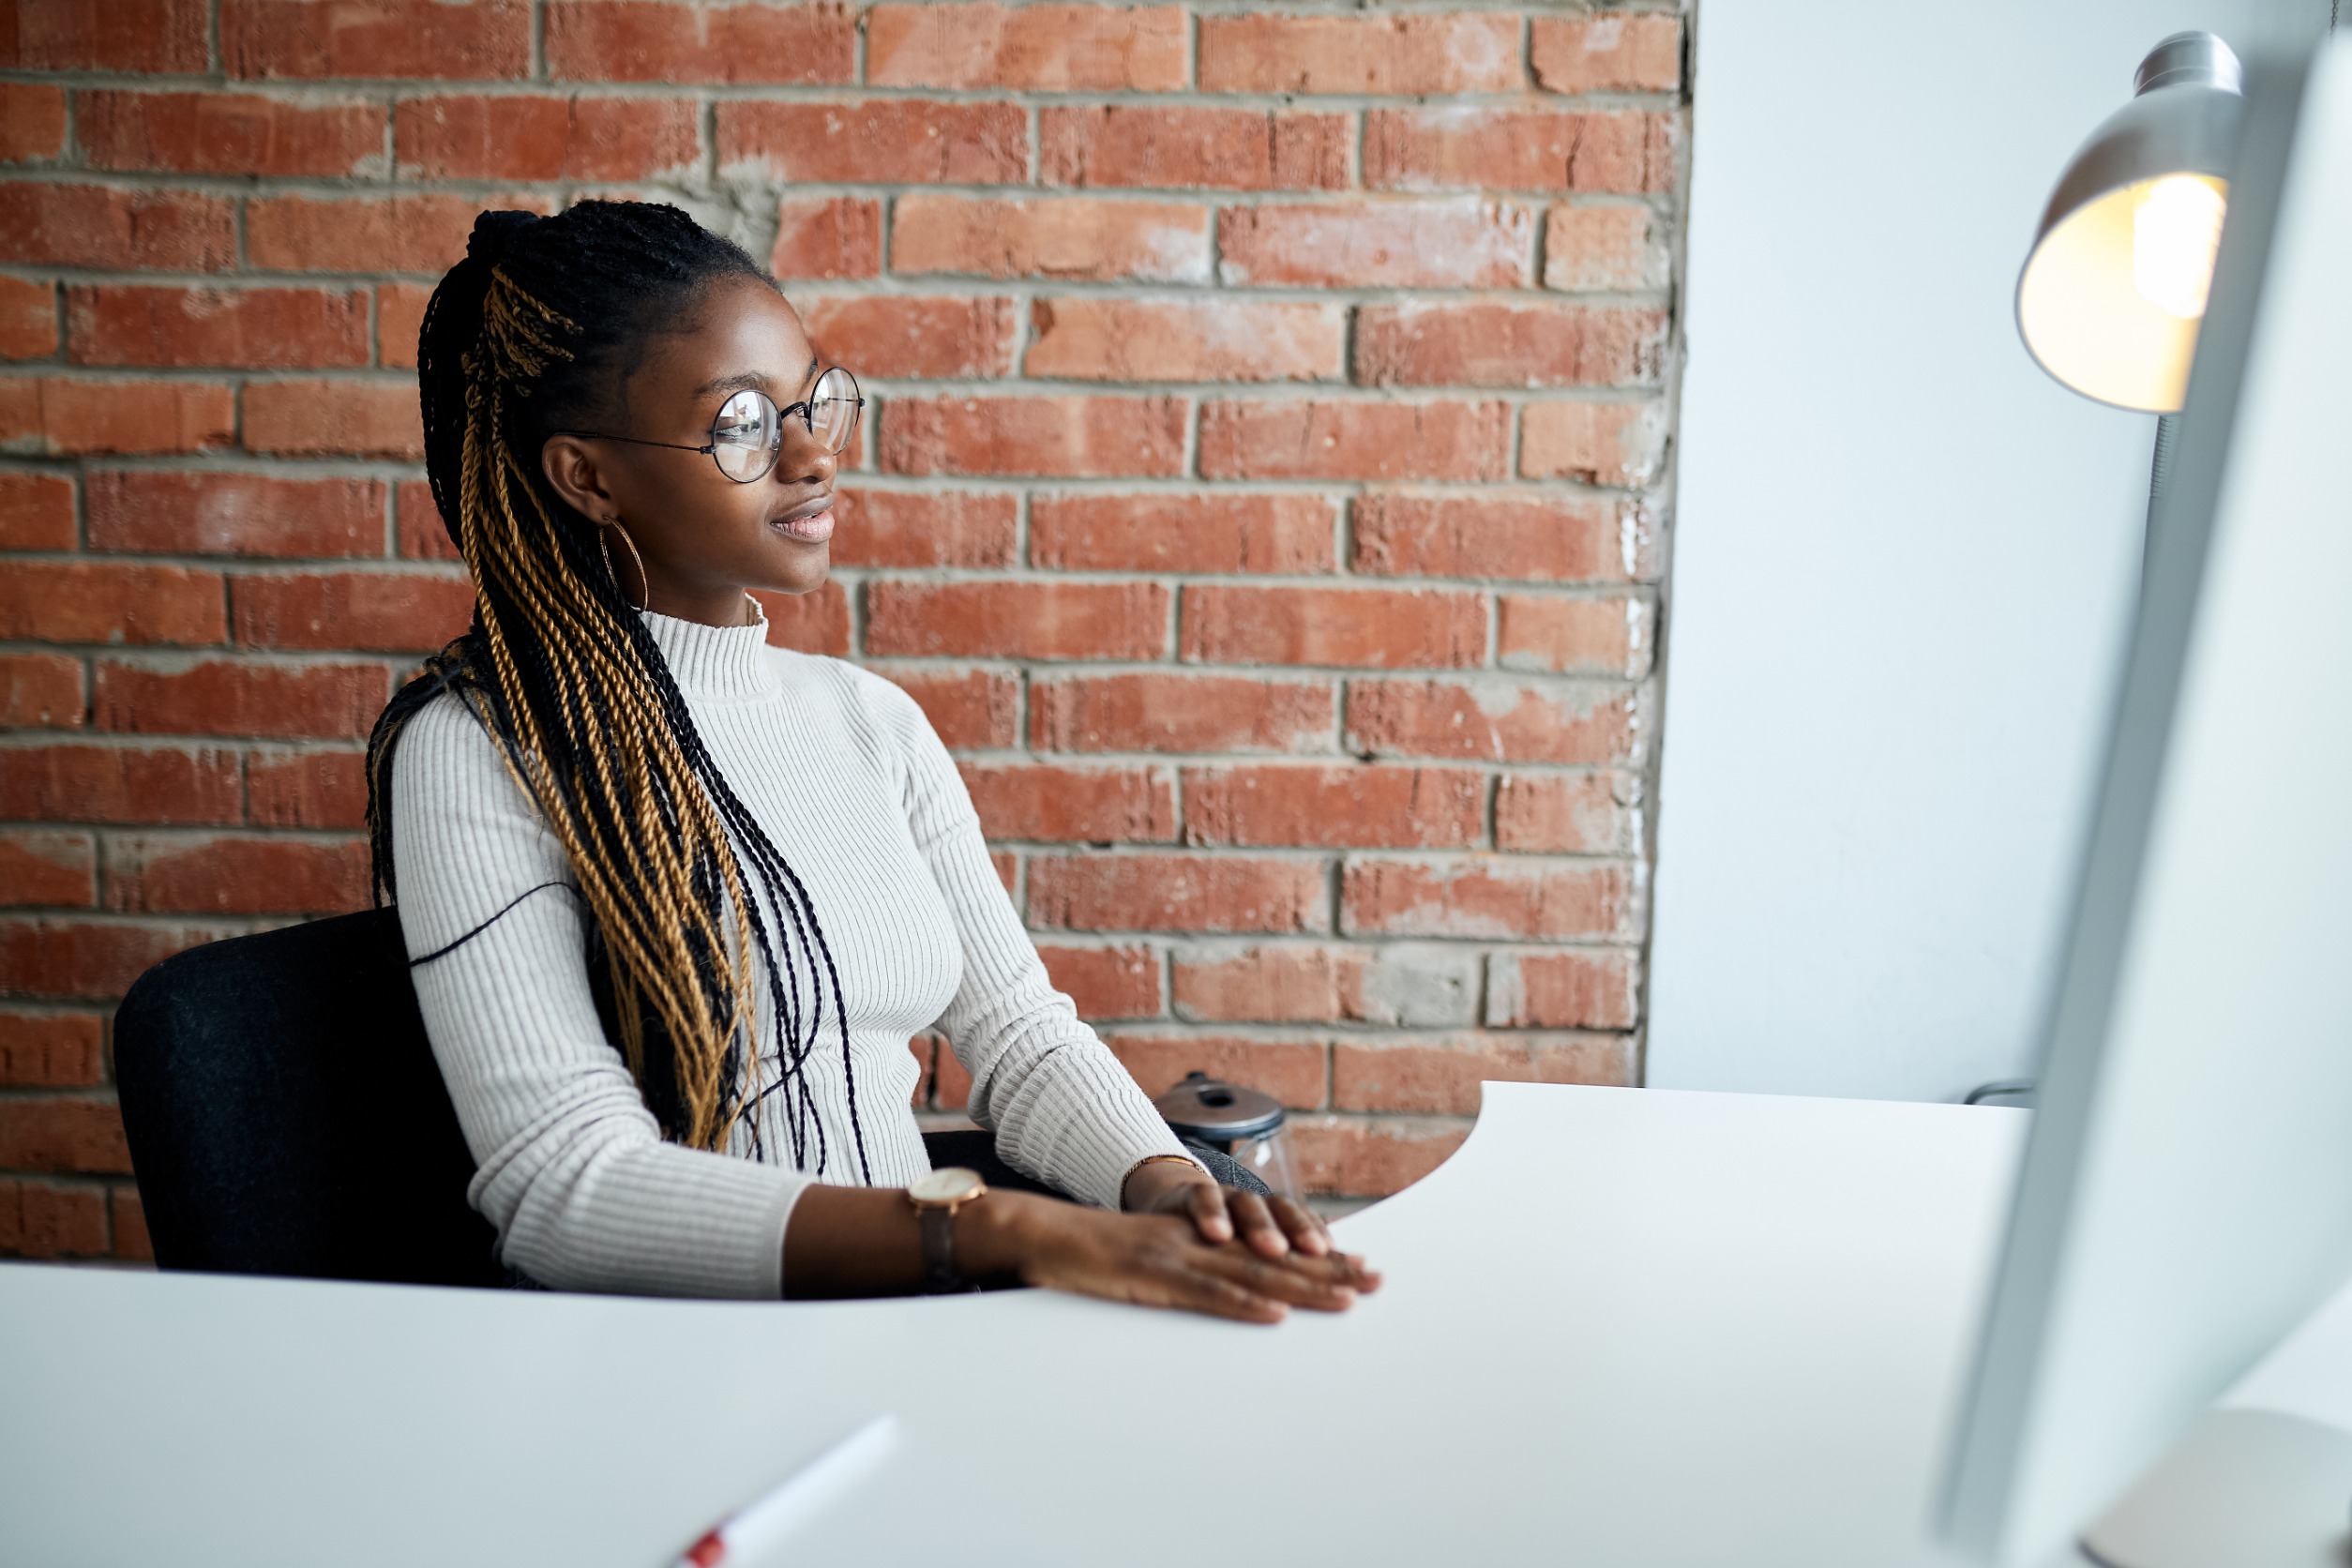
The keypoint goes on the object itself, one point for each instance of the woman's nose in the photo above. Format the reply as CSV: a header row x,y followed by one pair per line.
x,y
805,461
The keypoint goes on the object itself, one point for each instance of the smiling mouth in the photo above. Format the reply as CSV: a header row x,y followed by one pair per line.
x,y
812,522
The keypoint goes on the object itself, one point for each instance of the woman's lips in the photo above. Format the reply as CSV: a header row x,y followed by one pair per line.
x,y
816,528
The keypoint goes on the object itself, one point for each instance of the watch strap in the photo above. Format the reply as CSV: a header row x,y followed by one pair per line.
x,y
940,1273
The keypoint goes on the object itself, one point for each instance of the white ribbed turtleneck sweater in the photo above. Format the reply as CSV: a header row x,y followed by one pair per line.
x,y
843,772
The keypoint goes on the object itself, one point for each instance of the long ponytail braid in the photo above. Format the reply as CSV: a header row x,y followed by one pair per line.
x,y
537,330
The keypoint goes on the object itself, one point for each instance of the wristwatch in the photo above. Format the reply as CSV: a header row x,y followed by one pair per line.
x,y
937,1195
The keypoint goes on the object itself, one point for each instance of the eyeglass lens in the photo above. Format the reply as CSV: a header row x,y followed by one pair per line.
x,y
748,434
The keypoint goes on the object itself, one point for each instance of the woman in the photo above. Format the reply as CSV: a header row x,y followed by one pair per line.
x,y
675,901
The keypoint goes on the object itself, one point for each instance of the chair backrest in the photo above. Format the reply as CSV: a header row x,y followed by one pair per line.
x,y
286,1116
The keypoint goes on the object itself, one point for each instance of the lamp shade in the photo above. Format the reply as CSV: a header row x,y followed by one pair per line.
x,y
2113,293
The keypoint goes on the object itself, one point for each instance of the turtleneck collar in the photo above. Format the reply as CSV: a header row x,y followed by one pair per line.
x,y
717,661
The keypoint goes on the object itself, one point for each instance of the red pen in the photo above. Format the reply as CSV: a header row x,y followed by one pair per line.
x,y
755,1528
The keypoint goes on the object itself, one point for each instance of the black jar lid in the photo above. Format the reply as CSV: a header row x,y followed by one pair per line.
x,y
1216,1111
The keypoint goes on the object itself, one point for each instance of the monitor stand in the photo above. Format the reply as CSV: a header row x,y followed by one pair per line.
x,y
2245,1490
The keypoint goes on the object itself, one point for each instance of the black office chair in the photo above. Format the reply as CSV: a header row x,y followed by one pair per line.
x,y
286,1116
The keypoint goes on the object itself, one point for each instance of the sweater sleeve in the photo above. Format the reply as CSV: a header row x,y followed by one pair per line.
x,y
571,1166
1061,1107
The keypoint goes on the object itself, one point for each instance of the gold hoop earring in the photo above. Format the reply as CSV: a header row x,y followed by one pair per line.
x,y
604,544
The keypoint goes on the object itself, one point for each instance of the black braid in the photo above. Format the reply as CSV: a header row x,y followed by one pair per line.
x,y
538,330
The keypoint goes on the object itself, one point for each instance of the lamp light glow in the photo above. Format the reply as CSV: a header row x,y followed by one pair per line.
x,y
2114,291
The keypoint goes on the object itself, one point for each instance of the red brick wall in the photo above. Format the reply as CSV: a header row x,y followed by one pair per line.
x,y
1264,498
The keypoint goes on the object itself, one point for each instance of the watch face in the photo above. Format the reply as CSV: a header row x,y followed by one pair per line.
x,y
948,1185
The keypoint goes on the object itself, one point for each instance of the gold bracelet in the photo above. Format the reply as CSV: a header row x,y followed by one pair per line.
x,y
1153,1159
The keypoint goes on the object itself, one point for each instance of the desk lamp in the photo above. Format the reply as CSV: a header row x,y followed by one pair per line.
x,y
2113,293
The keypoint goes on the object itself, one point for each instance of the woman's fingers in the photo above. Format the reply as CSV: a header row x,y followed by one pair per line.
x,y
1306,1282
1205,1203
1306,1231
1256,1224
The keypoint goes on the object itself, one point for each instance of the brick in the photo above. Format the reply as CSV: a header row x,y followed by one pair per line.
x,y
1404,244
57,1134
1482,896
1069,236
401,612
77,959
1042,802
1377,441
84,225
1582,636
816,622
1347,1156
32,122
1494,719
827,237
229,133
1194,531
154,36
44,868
925,528
1627,152
1139,340
182,875
1180,713
919,339
1639,53
422,536
92,601
951,1083
883,141
36,511
1596,813
479,39
50,1050
1107,982
1038,48
1454,52
235,513
80,783
129,1219
1175,892
366,233
334,418
1601,444
42,1221
1360,628
970,710
28,319
40,690
1485,344
924,1050
245,328
59,417
1443,1076
307,789
545,138
1008,871
224,696
400,319
1606,247
1054,437
1418,986
680,42
1574,988
1175,148
1290,1070
1018,620
1334,806
1521,537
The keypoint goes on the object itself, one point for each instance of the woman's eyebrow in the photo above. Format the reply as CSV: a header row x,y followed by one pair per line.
x,y
751,380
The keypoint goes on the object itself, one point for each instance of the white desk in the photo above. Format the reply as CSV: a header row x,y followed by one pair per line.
x,y
1622,1328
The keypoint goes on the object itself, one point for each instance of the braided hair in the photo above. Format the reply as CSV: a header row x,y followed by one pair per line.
x,y
537,331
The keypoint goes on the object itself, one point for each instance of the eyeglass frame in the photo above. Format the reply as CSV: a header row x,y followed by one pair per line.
x,y
806,408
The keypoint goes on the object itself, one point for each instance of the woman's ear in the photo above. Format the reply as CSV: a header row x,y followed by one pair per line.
x,y
576,474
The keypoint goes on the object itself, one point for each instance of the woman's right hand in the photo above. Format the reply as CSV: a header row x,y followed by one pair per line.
x,y
1148,1261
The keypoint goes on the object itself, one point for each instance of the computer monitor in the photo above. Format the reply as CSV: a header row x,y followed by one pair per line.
x,y
2186,1193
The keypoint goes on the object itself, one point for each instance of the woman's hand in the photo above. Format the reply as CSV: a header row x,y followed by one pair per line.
x,y
1270,1227
1155,1260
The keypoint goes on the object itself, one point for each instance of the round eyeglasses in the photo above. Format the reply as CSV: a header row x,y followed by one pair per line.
x,y
747,434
